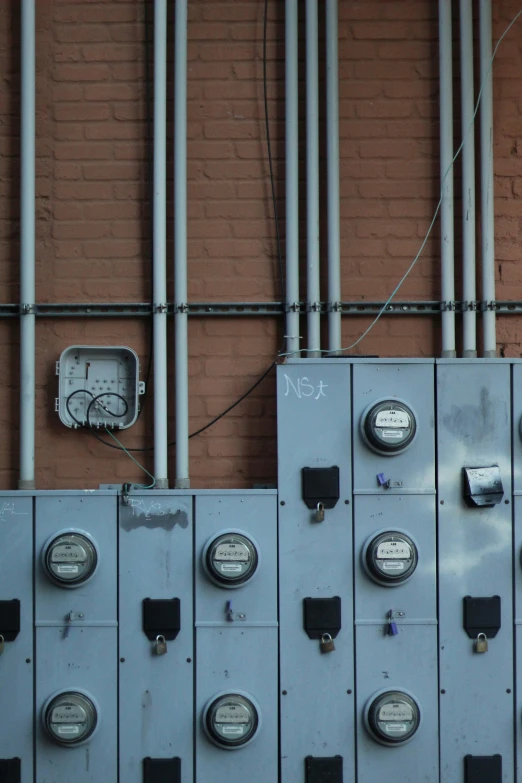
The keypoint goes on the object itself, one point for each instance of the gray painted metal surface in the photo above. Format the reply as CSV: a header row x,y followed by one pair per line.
x,y
315,560
475,558
240,653
257,599
406,661
517,568
517,427
17,660
412,383
81,654
416,599
156,692
97,599
85,659
237,659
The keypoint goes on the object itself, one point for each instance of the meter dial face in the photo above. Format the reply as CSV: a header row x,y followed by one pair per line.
x,y
231,559
393,717
232,720
389,427
70,559
70,718
391,557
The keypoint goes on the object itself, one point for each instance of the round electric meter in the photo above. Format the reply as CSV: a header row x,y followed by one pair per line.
x,y
389,426
390,557
392,717
70,717
231,720
231,559
70,558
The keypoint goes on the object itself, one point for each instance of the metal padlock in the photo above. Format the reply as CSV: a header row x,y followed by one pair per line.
x,y
160,645
326,644
481,643
1,644
319,513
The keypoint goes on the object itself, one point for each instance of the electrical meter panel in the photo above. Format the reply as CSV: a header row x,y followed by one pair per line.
x,y
475,566
236,573
316,568
99,386
75,576
394,426
236,559
16,638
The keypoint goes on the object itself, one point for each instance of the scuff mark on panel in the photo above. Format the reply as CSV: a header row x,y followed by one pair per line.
x,y
474,423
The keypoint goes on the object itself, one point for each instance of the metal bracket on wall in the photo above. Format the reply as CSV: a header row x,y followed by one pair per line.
x,y
245,309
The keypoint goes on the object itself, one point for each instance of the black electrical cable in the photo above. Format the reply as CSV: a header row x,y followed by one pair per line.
x,y
197,432
278,235
94,399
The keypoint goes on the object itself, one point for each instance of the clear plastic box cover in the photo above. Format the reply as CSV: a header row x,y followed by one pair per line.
x,y
98,386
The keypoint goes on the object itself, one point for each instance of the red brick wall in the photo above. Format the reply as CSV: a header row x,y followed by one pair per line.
x,y
93,237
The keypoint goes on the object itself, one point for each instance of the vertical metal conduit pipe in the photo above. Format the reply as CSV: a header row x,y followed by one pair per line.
x,y
27,247
332,154
487,181
292,178
312,180
180,246
160,246
447,229
469,287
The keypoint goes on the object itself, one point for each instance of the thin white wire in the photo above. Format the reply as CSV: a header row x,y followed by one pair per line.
x,y
107,430
437,210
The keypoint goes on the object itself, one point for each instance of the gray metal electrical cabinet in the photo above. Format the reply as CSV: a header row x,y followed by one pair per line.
x,y
517,554
406,663
156,691
395,570
475,564
76,636
517,426
16,626
236,635
315,562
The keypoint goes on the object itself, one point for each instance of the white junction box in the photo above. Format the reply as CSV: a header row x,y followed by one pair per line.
x,y
98,386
